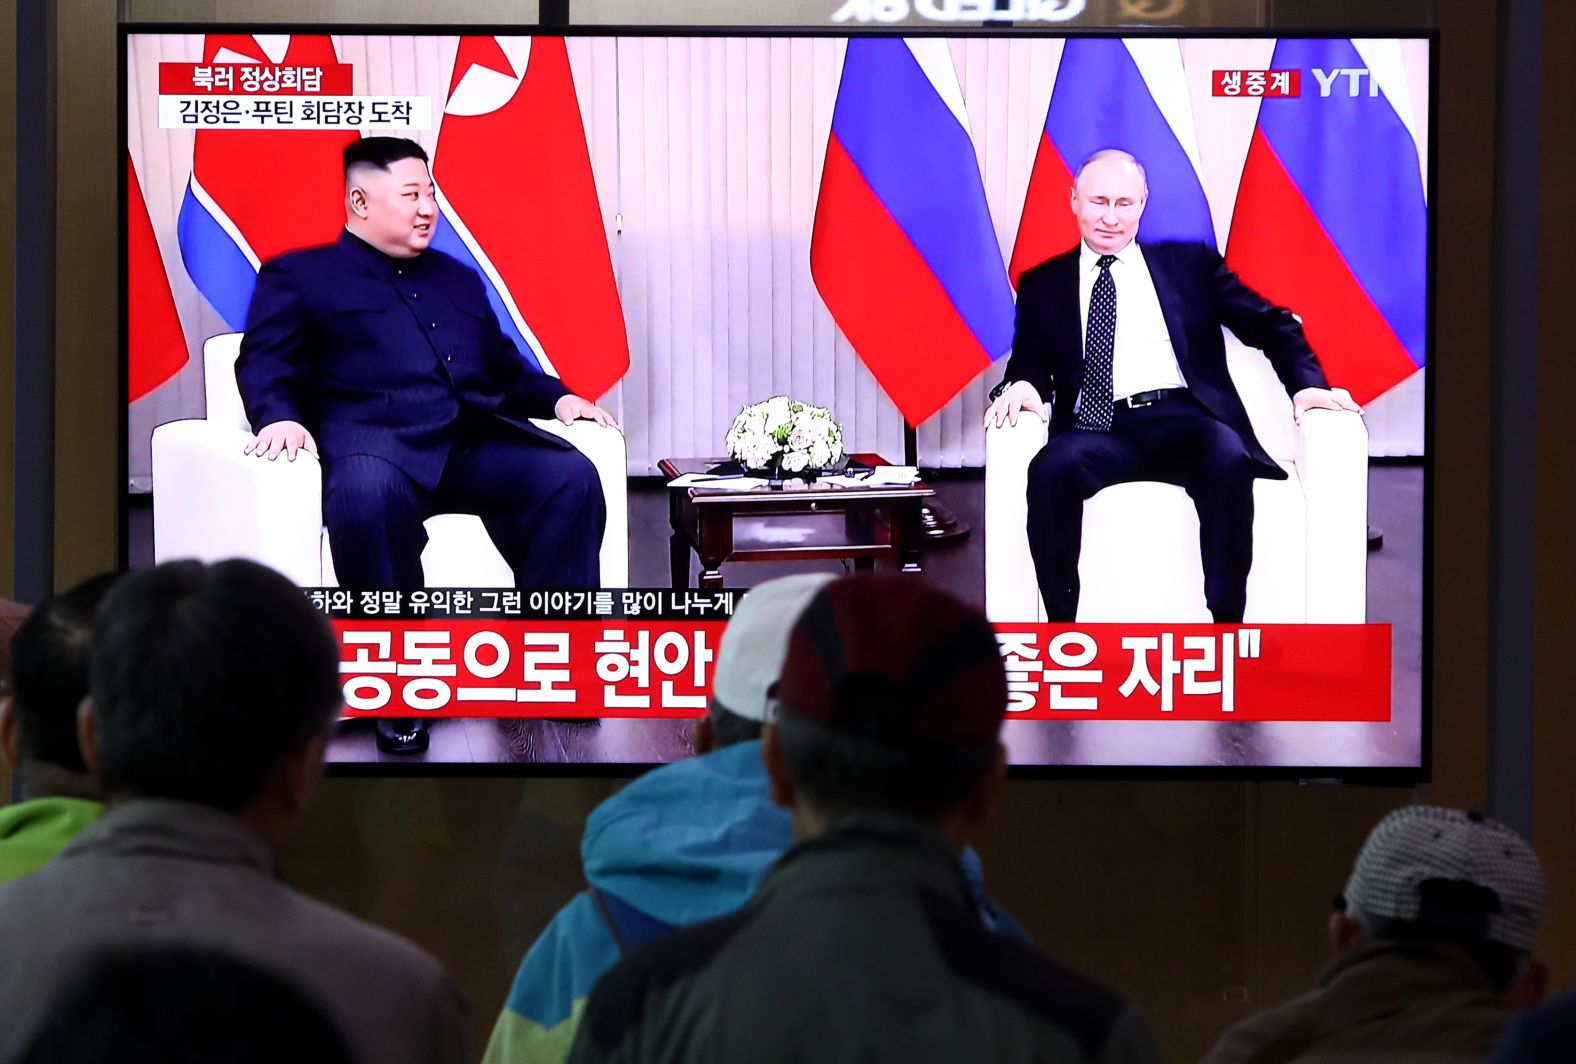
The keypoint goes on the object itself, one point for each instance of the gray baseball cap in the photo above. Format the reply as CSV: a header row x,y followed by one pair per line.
x,y
1458,872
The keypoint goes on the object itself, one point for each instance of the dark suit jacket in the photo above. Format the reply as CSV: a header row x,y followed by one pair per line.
x,y
1198,295
381,356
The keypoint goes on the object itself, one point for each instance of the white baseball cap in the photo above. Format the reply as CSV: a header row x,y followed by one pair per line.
x,y
756,640
1420,845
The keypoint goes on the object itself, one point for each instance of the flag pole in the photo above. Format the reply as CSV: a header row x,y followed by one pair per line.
x,y
937,522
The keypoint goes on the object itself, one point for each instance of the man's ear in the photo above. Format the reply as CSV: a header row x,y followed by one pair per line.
x,y
87,734
8,741
981,803
1530,987
356,197
302,768
1346,934
703,737
778,785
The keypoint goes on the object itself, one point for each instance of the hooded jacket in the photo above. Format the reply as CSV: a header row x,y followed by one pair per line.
x,y
684,843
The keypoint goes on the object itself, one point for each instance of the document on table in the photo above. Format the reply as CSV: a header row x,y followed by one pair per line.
x,y
729,481
880,477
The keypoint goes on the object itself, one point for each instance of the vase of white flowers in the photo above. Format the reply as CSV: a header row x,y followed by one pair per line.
x,y
783,437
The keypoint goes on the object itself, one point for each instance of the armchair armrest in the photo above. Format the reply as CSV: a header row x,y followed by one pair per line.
x,y
1011,593
211,502
1332,465
606,449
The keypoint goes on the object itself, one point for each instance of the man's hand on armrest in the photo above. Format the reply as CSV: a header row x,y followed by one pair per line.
x,y
1322,399
571,407
1019,396
286,436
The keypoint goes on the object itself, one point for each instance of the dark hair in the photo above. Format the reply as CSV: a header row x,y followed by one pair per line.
x,y
1501,964
841,773
730,728
205,677
179,1006
49,672
1451,911
381,152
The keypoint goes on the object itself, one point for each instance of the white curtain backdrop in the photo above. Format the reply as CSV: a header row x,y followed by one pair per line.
x,y
707,154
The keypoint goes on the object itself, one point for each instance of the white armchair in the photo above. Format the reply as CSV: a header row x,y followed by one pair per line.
x,y
210,501
1140,556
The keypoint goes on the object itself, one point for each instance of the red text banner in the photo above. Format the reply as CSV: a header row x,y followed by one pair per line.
x,y
1269,672
254,79
1256,83
662,669
527,668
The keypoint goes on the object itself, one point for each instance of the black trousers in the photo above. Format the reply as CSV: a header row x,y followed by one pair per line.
x,y
541,504
1176,441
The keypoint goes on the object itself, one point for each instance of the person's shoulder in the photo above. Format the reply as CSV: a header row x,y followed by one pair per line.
x,y
353,938
1545,1034
563,964
618,1002
446,265
1047,271
1043,988
315,257
1194,254
1244,1039
303,270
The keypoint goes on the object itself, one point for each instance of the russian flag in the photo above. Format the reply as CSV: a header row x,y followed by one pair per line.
x,y
902,250
1112,93
255,194
155,342
1331,219
519,205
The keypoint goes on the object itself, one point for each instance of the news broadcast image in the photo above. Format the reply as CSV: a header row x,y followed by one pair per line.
x,y
883,228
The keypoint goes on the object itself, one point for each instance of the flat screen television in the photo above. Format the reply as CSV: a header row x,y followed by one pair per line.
x,y
679,225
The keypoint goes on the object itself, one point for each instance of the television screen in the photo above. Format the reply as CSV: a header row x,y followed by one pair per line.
x,y
526,356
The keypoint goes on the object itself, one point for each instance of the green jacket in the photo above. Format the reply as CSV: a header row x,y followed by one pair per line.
x,y
32,832
862,943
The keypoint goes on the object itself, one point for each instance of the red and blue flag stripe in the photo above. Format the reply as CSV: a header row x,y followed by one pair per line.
x,y
1332,222
903,251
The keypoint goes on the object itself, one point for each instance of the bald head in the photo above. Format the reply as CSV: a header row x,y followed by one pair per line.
x,y
1108,197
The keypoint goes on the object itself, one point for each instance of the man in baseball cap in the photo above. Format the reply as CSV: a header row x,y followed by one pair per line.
x,y
1433,936
862,942
681,844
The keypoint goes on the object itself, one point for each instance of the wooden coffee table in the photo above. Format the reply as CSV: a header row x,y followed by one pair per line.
x,y
799,521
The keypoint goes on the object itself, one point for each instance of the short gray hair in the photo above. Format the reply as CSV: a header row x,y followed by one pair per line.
x,y
1111,153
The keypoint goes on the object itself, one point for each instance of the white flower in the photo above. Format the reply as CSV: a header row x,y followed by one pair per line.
x,y
778,412
803,435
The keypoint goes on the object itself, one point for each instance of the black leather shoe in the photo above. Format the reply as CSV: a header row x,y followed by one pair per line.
x,y
402,735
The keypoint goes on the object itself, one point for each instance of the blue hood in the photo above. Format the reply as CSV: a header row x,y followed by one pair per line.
x,y
688,841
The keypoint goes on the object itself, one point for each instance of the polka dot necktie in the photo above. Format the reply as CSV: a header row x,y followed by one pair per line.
x,y
1094,406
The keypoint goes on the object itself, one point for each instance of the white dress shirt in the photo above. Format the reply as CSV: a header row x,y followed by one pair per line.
x,y
1143,358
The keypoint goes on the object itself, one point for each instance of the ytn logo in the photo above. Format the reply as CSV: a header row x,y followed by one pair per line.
x,y
1354,80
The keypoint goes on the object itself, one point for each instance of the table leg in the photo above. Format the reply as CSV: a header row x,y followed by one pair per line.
x,y
714,543
906,529
678,559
